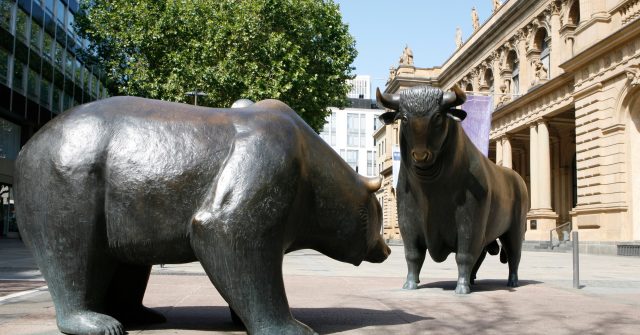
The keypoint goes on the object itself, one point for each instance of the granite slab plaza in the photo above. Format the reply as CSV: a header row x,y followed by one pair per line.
x,y
338,298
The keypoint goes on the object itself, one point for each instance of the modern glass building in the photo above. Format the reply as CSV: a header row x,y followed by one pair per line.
x,y
40,76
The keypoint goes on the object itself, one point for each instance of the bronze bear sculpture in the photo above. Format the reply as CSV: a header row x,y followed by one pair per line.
x,y
109,188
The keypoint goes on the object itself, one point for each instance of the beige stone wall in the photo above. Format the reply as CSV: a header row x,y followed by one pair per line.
x,y
572,130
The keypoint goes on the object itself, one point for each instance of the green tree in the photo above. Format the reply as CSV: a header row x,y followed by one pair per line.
x,y
298,51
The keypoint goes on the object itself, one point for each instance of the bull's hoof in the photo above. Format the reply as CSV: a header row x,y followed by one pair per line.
x,y
86,322
463,289
410,285
512,281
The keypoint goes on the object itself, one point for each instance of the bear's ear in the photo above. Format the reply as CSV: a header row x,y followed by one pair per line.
x,y
388,117
457,114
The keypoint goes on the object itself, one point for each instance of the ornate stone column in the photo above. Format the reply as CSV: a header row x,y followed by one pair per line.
x,y
541,217
499,152
533,161
507,155
544,166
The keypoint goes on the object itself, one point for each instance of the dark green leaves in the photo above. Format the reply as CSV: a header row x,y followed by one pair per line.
x,y
298,51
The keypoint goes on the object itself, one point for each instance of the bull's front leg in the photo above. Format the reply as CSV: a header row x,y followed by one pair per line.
x,y
469,247
409,220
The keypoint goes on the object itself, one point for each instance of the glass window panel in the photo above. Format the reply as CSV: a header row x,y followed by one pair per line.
x,y
47,45
87,81
45,88
22,22
68,68
59,52
49,6
97,87
68,102
60,11
32,84
9,139
55,104
352,158
4,66
70,23
36,34
78,68
6,13
18,76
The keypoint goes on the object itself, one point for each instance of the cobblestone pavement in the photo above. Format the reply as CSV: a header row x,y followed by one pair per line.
x,y
338,298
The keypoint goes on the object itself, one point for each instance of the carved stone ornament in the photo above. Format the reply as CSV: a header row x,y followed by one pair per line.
x,y
633,75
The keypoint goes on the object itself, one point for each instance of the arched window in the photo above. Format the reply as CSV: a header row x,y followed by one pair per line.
x,y
488,79
469,88
542,43
574,13
512,60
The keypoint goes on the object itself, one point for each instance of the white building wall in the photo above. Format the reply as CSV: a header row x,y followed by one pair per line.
x,y
336,133
360,87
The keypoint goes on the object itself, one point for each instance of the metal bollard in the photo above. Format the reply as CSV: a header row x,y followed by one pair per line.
x,y
576,260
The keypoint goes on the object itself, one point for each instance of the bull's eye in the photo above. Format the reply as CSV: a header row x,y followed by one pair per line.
x,y
404,118
437,118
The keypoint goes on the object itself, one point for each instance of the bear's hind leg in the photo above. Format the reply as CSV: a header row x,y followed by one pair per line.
x,y
73,260
126,291
63,224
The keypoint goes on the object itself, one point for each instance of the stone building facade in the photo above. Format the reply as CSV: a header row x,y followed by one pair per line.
x,y
565,80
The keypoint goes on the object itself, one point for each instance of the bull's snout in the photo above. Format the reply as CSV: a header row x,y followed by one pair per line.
x,y
378,253
421,156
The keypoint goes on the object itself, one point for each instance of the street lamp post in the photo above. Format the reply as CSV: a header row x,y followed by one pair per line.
x,y
195,95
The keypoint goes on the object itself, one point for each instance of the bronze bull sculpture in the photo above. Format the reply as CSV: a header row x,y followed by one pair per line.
x,y
109,188
451,198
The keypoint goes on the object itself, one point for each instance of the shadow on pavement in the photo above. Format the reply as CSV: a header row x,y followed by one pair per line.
x,y
482,285
326,320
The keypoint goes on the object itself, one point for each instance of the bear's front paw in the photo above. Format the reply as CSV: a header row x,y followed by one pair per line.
x,y
87,322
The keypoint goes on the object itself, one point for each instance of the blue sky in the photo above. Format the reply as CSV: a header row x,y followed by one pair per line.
x,y
382,28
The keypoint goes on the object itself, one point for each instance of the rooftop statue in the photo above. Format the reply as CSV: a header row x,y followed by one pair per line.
x,y
475,21
407,56
109,188
496,5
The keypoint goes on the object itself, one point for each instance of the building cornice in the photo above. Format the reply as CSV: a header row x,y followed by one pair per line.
x,y
598,49
406,81
480,41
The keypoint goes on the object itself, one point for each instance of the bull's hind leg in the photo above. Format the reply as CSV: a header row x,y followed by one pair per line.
x,y
124,301
512,244
476,267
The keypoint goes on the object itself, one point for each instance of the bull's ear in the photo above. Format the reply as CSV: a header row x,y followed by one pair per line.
x,y
457,114
388,117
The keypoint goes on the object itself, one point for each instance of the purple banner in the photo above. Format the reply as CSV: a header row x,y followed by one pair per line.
x,y
478,122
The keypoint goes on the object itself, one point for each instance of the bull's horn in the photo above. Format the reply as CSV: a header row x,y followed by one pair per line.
x,y
453,98
372,183
391,101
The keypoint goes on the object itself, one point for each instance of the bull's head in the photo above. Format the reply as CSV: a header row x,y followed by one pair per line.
x,y
427,115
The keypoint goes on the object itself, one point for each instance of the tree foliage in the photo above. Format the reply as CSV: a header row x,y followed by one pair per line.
x,y
298,51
